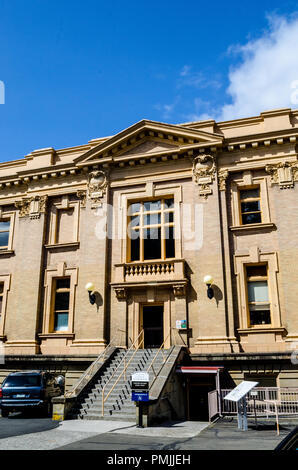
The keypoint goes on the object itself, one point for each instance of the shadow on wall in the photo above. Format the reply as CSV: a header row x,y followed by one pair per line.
x,y
218,295
98,300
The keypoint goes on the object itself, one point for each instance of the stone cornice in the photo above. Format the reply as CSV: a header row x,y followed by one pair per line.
x,y
103,154
263,138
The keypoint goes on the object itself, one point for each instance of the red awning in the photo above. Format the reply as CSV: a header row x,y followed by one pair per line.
x,y
199,369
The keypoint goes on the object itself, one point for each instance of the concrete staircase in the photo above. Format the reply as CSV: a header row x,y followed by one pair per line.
x,y
118,405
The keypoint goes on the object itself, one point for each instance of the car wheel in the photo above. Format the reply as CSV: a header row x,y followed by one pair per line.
x,y
4,413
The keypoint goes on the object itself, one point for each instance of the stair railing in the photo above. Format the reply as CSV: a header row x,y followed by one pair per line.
x,y
86,376
136,346
161,349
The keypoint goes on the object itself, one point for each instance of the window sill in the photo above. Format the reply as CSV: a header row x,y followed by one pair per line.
x,y
261,226
62,245
5,251
63,334
148,261
262,329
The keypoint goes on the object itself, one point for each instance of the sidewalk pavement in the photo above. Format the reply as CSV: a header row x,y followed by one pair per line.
x,y
179,429
72,431
220,435
119,435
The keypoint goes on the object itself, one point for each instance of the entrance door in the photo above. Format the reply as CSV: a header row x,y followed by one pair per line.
x,y
198,389
153,325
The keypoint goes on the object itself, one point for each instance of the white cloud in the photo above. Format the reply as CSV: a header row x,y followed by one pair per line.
x,y
167,109
264,78
198,114
190,78
185,70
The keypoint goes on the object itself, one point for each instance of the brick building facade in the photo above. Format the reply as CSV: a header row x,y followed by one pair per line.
x,y
145,215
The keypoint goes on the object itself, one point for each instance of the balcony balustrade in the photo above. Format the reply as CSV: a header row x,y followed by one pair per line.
x,y
149,271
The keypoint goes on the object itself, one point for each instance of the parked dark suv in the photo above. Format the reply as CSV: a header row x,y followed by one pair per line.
x,y
21,391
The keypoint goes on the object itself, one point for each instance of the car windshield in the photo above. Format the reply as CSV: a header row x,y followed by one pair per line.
x,y
23,381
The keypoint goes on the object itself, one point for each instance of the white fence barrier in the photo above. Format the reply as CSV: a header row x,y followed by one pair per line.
x,y
285,398
213,403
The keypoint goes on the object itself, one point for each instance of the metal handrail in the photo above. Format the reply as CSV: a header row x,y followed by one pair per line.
x,y
159,349
156,355
89,371
104,399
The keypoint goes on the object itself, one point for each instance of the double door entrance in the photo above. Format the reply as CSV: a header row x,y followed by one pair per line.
x,y
152,322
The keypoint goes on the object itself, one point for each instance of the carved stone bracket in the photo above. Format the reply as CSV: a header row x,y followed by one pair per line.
x,y
23,206
120,293
179,290
32,206
96,187
222,179
204,169
283,173
82,195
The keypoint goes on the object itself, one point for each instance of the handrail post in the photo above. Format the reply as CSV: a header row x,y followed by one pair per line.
x,y
89,370
123,372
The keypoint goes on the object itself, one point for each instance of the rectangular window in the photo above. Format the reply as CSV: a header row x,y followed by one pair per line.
x,y
250,206
258,295
61,303
151,230
1,296
4,232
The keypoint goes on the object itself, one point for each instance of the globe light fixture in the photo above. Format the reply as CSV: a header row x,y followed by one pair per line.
x,y
208,280
90,288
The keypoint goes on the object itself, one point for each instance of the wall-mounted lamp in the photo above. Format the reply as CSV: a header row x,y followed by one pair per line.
x,y
90,288
209,281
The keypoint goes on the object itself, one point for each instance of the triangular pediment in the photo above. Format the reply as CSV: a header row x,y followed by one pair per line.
x,y
146,138
149,147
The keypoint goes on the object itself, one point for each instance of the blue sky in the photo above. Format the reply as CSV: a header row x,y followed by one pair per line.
x,y
75,70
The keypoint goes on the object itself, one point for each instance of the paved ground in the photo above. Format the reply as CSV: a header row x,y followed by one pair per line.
x,y
18,425
222,435
18,432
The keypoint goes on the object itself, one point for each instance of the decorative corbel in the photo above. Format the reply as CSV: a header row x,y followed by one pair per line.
x,y
82,195
23,206
284,173
120,293
204,169
222,179
37,206
179,290
31,206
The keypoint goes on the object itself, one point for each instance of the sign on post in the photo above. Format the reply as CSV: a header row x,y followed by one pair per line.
x,y
139,396
238,395
140,392
240,391
140,386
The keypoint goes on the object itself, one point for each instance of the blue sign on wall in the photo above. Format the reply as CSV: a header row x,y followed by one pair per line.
x,y
139,396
